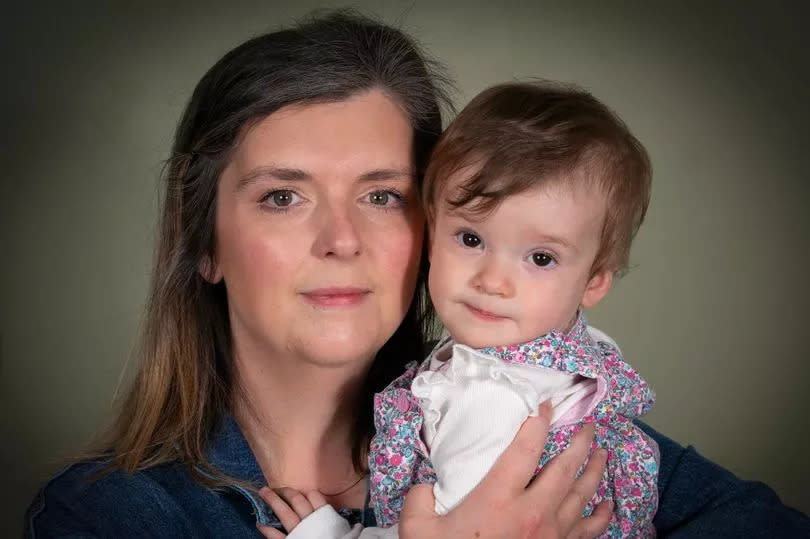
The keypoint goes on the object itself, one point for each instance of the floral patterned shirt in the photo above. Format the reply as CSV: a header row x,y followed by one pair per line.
x,y
399,459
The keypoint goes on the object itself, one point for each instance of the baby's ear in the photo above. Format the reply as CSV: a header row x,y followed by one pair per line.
x,y
209,270
597,287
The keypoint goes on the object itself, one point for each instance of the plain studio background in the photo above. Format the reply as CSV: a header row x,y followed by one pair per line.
x,y
714,312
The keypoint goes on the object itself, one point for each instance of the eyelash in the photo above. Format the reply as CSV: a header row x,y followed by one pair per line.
x,y
277,209
459,236
400,200
551,265
400,203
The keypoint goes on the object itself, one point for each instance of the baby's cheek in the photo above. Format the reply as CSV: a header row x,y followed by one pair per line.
x,y
438,281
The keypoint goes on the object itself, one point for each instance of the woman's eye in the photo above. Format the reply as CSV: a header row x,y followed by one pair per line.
x,y
468,239
543,260
388,199
281,198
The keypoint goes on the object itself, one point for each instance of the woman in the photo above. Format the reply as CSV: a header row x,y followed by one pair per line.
x,y
287,290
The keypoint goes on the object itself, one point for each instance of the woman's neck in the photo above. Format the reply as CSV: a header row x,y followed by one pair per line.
x,y
299,418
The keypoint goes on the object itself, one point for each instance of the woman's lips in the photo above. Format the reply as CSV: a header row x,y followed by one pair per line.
x,y
346,296
484,315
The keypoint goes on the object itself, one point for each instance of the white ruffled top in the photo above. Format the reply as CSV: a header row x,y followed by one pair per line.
x,y
473,405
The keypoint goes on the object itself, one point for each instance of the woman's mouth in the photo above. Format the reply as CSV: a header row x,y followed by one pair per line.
x,y
344,296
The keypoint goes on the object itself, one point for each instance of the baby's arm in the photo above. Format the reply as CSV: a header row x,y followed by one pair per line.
x,y
310,517
631,478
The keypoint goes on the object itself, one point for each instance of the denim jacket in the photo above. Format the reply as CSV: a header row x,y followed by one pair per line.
x,y
697,499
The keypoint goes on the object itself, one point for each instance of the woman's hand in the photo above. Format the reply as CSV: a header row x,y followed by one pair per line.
x,y
503,506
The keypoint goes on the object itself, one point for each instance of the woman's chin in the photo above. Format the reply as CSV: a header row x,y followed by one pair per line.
x,y
339,348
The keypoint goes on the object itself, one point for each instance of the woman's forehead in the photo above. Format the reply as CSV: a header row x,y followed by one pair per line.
x,y
364,133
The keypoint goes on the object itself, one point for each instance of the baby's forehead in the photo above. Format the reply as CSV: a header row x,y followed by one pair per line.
x,y
470,190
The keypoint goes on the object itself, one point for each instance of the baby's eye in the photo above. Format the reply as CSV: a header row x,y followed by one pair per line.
x,y
281,198
543,260
468,239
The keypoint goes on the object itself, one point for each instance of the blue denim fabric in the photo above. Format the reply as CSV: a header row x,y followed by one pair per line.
x,y
162,501
697,499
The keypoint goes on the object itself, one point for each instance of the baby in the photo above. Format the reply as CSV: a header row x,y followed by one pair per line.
x,y
533,196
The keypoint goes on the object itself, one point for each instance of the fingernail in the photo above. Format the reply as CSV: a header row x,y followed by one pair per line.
x,y
603,454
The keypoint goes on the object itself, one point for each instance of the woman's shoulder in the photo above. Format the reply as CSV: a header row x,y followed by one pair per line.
x,y
90,500
87,498
698,498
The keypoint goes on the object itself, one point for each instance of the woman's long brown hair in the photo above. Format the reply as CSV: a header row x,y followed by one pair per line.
x,y
184,380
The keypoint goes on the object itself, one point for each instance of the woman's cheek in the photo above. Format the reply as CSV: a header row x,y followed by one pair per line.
x,y
401,261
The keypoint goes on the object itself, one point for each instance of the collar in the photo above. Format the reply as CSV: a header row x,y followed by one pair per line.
x,y
572,351
230,453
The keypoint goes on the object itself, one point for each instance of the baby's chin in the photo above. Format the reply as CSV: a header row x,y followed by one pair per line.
x,y
480,340
495,337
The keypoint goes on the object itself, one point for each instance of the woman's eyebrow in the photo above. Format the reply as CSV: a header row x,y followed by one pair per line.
x,y
382,174
272,173
287,174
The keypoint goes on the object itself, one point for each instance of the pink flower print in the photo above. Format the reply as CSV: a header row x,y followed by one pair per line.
x,y
630,446
379,460
396,459
402,402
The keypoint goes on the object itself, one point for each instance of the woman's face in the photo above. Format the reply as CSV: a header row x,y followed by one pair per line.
x,y
319,230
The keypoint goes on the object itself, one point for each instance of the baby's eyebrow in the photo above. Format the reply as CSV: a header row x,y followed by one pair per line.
x,y
545,238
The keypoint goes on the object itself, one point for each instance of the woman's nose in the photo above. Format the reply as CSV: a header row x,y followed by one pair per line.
x,y
337,234
493,279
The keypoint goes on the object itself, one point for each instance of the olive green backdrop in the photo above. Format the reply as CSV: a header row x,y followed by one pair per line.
x,y
714,312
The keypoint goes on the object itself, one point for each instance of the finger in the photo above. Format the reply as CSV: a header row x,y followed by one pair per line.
x,y
419,503
594,525
556,478
516,465
316,499
282,510
297,501
583,490
270,532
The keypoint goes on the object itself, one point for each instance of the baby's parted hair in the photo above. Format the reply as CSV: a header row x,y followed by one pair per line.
x,y
517,136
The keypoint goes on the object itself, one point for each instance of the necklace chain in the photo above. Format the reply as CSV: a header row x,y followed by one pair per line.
x,y
347,489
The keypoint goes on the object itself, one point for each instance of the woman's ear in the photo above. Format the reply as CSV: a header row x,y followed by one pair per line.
x,y
209,270
597,287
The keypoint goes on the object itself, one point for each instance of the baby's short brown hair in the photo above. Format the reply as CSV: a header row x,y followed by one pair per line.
x,y
517,136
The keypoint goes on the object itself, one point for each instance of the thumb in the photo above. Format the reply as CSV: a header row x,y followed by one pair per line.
x,y
419,503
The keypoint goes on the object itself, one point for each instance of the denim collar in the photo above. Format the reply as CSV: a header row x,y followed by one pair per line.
x,y
230,453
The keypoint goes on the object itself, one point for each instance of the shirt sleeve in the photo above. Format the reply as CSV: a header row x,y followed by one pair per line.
x,y
326,523
698,498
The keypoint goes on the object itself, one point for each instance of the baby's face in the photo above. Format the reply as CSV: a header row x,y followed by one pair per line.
x,y
521,271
